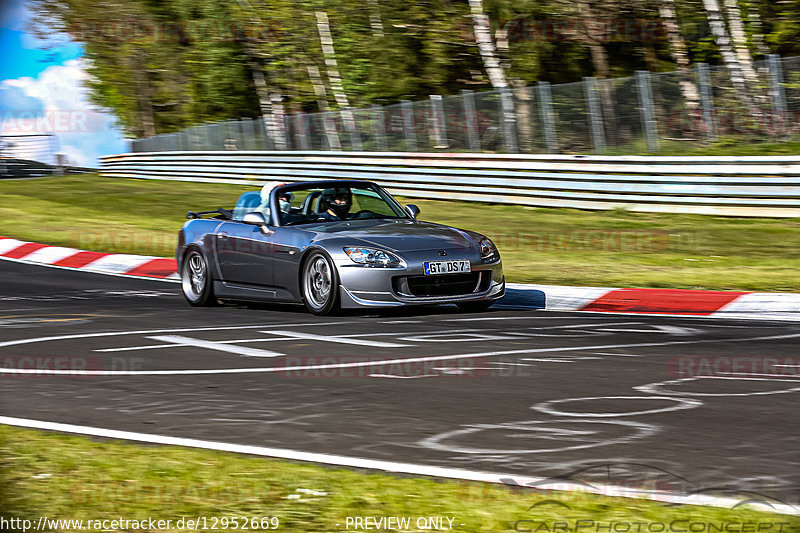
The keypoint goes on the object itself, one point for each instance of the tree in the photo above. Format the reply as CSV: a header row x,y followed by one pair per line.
x,y
723,41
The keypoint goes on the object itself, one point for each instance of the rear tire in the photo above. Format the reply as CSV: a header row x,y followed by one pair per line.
x,y
319,284
475,307
196,283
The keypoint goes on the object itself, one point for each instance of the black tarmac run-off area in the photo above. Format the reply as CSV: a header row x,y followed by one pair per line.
x,y
515,390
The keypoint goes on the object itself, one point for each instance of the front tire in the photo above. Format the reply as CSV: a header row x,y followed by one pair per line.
x,y
196,283
320,284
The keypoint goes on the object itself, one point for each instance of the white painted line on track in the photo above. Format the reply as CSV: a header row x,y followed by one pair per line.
x,y
680,403
554,359
452,336
394,376
341,340
785,377
180,340
357,364
573,326
395,467
656,388
254,339
152,331
546,430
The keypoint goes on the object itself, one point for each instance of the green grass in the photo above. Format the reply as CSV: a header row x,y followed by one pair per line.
x,y
70,477
722,146
551,246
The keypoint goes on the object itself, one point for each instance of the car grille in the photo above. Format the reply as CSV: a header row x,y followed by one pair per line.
x,y
440,285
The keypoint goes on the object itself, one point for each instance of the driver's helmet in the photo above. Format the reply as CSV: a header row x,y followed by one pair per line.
x,y
285,201
338,200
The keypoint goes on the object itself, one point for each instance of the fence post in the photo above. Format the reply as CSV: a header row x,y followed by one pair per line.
x,y
241,142
408,125
595,115
379,127
646,109
777,93
289,134
470,120
703,81
349,121
439,132
508,121
263,132
301,130
331,133
548,121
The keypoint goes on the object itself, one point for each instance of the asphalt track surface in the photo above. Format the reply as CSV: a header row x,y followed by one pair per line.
x,y
596,397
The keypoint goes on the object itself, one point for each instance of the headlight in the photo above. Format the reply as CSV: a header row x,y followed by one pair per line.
x,y
372,257
489,253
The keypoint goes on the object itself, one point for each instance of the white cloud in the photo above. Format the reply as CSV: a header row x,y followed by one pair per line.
x,y
84,132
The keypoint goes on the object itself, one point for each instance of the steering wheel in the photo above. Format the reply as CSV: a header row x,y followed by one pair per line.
x,y
358,214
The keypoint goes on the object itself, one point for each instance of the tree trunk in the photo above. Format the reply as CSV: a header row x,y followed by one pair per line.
x,y
323,27
723,41
496,72
758,32
524,108
666,9
375,21
483,38
503,49
144,96
740,42
602,71
322,102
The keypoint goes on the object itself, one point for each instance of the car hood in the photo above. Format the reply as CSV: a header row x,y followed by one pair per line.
x,y
397,235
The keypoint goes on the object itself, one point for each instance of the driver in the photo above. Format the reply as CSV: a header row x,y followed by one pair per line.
x,y
337,203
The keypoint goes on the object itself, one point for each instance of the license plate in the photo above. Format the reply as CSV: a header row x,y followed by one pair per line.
x,y
445,267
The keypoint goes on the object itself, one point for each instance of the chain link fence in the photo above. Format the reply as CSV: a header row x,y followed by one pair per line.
x,y
645,112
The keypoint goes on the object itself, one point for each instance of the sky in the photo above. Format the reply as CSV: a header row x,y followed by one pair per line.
x,y
42,91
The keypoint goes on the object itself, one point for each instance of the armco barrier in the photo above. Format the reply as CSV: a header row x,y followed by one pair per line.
x,y
726,185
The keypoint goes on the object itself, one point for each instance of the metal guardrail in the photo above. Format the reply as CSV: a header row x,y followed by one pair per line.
x,y
23,168
726,185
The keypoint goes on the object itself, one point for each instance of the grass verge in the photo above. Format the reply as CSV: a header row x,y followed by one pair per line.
x,y
723,146
555,246
71,477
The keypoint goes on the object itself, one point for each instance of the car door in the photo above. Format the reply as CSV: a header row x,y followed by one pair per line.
x,y
245,254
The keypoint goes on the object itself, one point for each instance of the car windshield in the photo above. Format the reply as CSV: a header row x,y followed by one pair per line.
x,y
336,203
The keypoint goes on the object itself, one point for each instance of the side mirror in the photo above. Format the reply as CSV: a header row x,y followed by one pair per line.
x,y
412,210
255,218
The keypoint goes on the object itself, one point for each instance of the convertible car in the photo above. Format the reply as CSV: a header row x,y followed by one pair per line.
x,y
332,245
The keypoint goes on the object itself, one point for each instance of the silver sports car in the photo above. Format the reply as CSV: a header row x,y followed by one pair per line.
x,y
331,245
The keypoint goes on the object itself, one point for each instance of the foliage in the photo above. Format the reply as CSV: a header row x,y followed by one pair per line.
x,y
162,66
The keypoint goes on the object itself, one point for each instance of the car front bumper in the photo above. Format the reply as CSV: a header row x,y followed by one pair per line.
x,y
390,287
